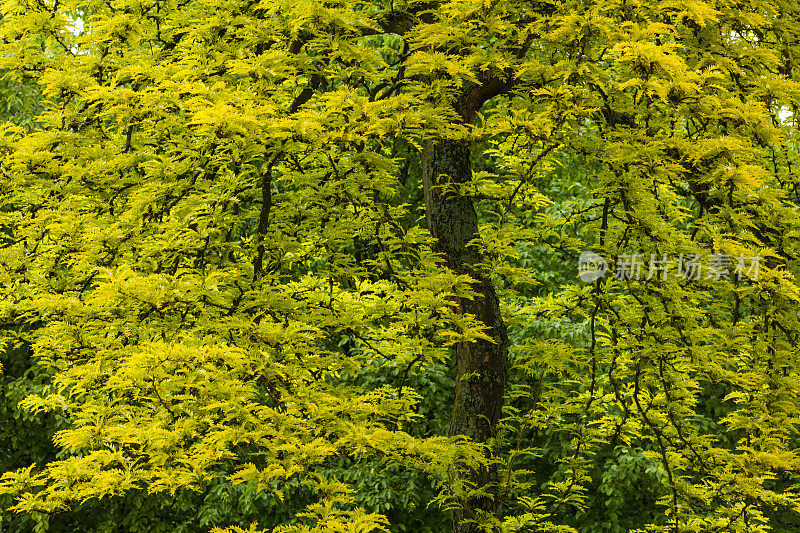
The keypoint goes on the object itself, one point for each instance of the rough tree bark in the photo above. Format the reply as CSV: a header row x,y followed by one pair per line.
x,y
452,220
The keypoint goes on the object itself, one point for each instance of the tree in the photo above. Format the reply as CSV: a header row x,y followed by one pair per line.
x,y
213,249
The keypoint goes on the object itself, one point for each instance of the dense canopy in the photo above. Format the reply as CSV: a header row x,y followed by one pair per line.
x,y
312,265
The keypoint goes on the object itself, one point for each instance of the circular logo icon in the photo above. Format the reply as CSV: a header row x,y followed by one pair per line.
x,y
591,266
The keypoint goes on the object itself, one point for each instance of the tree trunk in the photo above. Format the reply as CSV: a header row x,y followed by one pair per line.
x,y
452,220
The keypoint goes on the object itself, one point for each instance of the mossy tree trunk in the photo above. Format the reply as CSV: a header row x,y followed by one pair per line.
x,y
480,365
